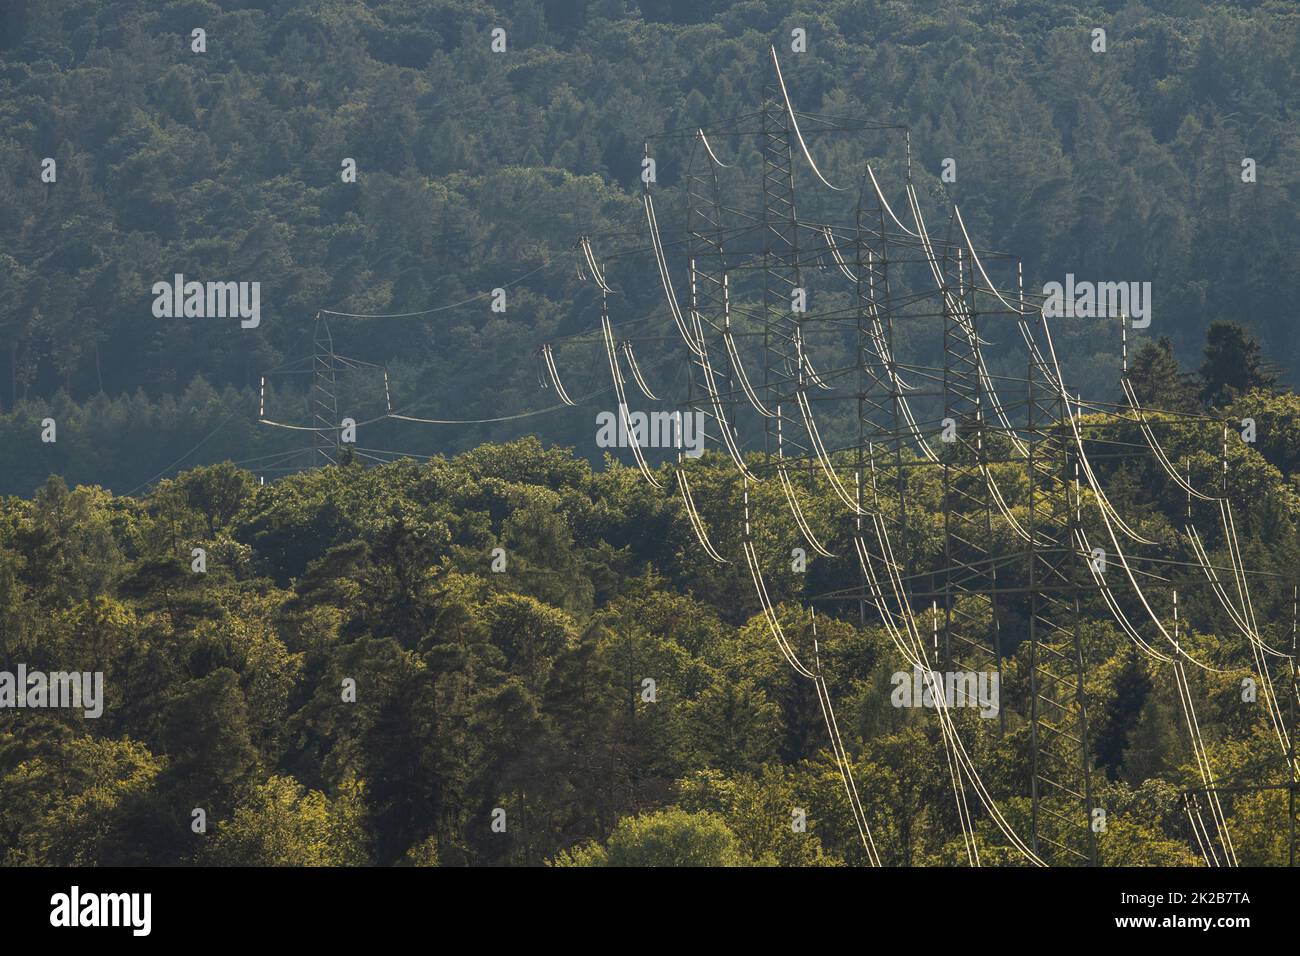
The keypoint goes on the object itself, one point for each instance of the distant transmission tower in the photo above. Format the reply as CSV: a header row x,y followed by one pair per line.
x,y
325,367
324,396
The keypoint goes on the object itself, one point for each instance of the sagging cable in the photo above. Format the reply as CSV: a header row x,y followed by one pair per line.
x,y
636,371
548,359
693,514
794,124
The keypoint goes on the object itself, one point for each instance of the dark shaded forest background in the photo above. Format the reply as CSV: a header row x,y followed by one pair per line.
x,y
476,169
524,690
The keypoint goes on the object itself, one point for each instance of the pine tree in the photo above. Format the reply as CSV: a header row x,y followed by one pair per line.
x,y
1157,379
1233,364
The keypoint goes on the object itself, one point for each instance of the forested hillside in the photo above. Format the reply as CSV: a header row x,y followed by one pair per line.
x,y
477,170
510,657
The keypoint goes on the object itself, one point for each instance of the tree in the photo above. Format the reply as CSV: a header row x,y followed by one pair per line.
x,y
758,809
1277,427
1233,364
283,824
64,800
205,730
671,837
736,725
529,633
1158,381
217,492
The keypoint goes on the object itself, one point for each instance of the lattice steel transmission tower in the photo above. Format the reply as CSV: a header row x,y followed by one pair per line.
x,y
327,371
965,483
324,396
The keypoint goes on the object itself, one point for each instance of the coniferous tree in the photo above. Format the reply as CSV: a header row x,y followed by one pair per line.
x,y
1233,364
1157,379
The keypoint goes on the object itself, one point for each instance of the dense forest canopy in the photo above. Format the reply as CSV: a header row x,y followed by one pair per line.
x,y
506,647
354,678
478,170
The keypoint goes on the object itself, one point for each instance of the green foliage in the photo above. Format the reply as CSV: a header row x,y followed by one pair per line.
x,y
621,702
68,801
1233,364
614,691
671,837
1157,379
478,170
281,825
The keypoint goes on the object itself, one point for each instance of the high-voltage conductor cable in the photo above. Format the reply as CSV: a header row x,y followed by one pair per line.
x,y
876,333
664,276
330,428
733,353
1257,645
979,265
912,647
788,487
963,756
1216,584
1106,515
633,443
812,372
1131,396
636,371
1259,648
884,203
959,311
842,762
828,467
712,155
954,772
891,626
963,316
794,123
1107,519
1200,751
1185,700
891,366
1026,332
1113,603
596,273
1239,571
1052,371
1103,501
724,426
836,257
1189,711
1202,832
919,658
549,359
760,588
693,513
710,385
480,421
